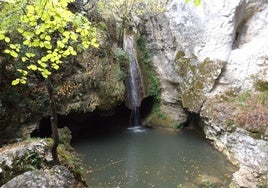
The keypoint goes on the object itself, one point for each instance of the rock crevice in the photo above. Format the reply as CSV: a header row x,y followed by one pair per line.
x,y
230,31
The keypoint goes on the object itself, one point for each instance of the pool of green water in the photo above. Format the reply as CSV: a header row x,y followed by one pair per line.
x,y
139,157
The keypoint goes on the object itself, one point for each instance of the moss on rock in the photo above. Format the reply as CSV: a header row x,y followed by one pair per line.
x,y
261,85
159,118
151,82
35,155
160,115
198,78
112,89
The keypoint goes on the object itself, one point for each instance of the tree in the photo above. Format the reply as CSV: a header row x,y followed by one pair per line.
x,y
40,36
125,12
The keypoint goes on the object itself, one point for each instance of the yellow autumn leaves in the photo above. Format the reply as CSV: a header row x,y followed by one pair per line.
x,y
196,2
48,34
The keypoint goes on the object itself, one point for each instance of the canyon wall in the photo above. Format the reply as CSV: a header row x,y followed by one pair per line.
x,y
210,58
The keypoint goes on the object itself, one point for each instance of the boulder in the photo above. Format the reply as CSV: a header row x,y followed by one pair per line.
x,y
29,164
57,176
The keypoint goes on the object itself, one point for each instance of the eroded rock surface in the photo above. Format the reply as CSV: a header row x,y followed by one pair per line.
x,y
29,164
241,149
57,176
231,31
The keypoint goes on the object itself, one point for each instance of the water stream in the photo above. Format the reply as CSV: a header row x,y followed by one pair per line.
x,y
122,157
135,87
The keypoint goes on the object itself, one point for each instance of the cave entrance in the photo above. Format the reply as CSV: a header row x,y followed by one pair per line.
x,y
98,122
194,122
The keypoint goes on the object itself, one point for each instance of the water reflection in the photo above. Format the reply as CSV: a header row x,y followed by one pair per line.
x,y
139,157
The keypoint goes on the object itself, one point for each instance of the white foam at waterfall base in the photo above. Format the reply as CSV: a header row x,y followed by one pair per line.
x,y
137,129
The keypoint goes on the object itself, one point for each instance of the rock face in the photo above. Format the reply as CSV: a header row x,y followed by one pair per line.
x,y
230,31
24,152
241,149
28,164
57,176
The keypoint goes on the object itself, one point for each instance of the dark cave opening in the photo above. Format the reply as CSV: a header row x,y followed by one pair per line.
x,y
194,123
96,122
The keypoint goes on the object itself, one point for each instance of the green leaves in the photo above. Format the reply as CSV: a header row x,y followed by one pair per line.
x,y
196,2
60,44
20,30
32,67
126,10
47,45
55,66
30,9
7,39
29,54
28,34
2,36
47,32
17,81
47,37
13,53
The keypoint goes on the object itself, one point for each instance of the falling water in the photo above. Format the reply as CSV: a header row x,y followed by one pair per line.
x,y
135,86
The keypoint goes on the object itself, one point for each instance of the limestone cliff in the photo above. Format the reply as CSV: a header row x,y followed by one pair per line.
x,y
217,50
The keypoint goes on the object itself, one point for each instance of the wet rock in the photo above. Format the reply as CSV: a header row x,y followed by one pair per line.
x,y
162,47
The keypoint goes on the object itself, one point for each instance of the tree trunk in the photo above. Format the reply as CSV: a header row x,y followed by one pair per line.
x,y
53,121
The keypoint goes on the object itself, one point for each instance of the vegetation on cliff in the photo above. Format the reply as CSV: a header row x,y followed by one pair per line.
x,y
158,116
81,83
127,13
151,81
245,109
47,34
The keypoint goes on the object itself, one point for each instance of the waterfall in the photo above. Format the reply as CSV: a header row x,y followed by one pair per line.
x,y
134,82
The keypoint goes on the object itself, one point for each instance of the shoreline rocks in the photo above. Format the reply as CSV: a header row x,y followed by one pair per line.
x,y
231,31
29,164
57,176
